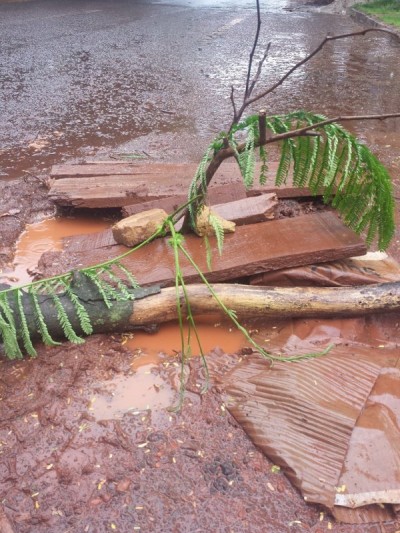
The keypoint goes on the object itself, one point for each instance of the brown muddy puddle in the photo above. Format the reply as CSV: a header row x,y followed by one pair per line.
x,y
47,236
145,389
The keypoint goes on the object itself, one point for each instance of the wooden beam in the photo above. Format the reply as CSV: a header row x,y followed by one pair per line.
x,y
220,194
252,249
248,210
120,184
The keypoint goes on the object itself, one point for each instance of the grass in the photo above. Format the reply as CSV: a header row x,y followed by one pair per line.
x,y
388,11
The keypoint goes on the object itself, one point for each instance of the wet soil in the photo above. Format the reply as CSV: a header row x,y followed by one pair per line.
x,y
70,466
97,84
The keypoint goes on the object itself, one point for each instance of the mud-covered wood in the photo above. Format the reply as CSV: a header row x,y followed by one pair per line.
x,y
116,317
216,195
248,210
252,249
120,184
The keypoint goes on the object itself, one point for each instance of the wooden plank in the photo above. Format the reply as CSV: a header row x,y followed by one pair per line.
x,y
248,210
252,249
282,192
84,243
122,168
118,184
216,195
241,212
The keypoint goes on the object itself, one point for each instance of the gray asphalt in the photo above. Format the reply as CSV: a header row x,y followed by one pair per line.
x,y
89,80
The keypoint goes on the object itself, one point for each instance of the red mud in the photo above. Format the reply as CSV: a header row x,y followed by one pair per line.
x,y
88,444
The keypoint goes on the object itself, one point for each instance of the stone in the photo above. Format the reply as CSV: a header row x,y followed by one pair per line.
x,y
137,228
204,227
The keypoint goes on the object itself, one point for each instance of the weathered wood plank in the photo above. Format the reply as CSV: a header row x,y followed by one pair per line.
x,y
250,250
282,192
241,212
216,195
248,210
120,184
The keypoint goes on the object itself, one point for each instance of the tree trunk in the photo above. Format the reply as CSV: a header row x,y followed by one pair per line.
x,y
259,302
153,306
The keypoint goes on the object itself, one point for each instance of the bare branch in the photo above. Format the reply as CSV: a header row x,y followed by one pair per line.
x,y
260,66
246,93
310,56
308,129
233,105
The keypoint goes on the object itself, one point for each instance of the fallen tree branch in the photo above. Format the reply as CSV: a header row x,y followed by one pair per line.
x,y
262,302
155,306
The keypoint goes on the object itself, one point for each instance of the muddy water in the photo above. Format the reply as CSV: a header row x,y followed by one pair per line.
x,y
144,388
43,237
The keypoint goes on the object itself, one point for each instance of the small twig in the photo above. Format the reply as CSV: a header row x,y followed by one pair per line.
x,y
262,126
235,119
259,69
248,91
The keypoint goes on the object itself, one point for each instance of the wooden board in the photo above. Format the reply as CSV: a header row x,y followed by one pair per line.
x,y
243,211
216,195
248,210
120,184
250,250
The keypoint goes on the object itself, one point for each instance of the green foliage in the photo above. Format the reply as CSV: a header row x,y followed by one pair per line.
x,y
386,10
332,162
14,304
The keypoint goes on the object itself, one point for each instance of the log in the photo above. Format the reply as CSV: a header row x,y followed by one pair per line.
x,y
153,305
283,302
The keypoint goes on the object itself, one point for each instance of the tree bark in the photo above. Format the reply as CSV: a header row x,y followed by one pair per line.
x,y
153,306
260,302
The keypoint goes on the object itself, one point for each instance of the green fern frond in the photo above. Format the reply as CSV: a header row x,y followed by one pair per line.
x,y
264,166
8,329
208,252
81,312
123,292
218,230
93,275
64,320
130,277
26,338
40,320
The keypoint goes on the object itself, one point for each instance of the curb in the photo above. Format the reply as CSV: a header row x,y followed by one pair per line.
x,y
368,20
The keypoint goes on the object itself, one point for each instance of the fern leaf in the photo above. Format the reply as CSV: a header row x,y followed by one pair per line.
x,y
123,291
81,312
64,320
131,278
8,329
218,230
264,166
26,337
40,320
93,276
208,252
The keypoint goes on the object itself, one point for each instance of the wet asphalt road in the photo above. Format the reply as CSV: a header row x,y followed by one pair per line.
x,y
103,78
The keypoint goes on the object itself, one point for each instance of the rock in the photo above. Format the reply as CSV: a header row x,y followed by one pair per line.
x,y
137,228
204,227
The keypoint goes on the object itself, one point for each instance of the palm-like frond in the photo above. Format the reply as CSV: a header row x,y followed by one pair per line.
x,y
332,163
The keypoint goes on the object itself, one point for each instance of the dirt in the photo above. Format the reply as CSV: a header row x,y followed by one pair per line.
x,y
72,464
